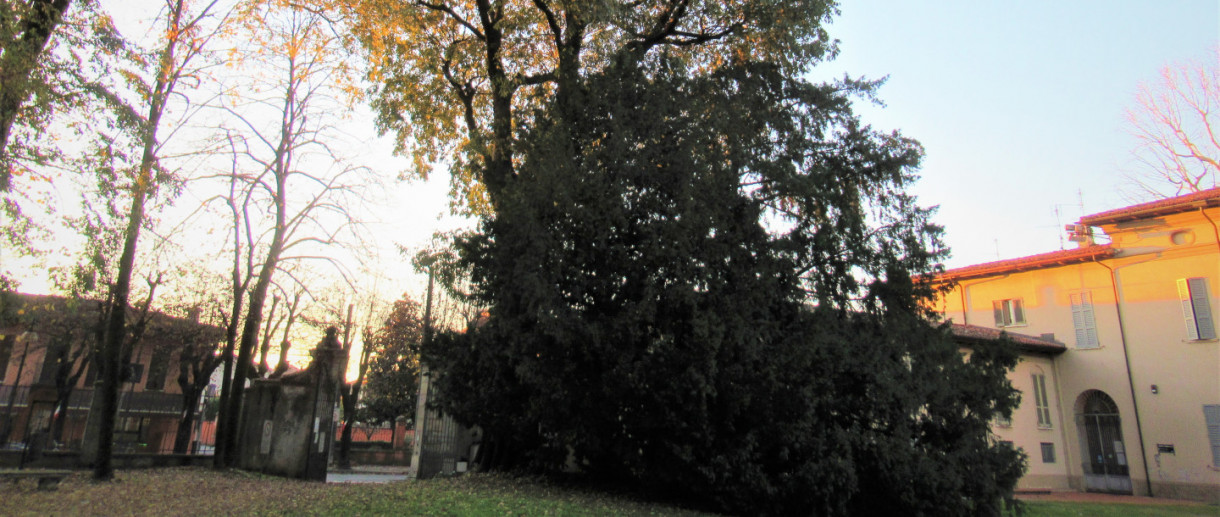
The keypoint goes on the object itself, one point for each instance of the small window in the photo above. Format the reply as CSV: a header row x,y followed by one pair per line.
x,y
1211,414
158,368
1083,321
1048,452
1000,421
1196,308
1041,401
55,358
1008,313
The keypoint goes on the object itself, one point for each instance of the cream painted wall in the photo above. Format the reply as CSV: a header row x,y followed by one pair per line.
x,y
1025,433
1153,255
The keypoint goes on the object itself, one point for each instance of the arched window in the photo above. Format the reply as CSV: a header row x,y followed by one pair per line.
x,y
1098,403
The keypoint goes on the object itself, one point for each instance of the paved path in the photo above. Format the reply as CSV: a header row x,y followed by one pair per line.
x,y
367,475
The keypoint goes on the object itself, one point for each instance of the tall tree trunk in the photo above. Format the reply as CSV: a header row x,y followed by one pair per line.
x,y
265,346
498,170
226,381
190,407
112,347
245,353
239,283
344,454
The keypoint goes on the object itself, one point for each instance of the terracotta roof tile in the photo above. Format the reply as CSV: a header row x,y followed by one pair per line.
x,y
1039,261
1172,205
977,334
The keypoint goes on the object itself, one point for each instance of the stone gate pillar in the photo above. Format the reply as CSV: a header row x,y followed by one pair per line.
x,y
286,422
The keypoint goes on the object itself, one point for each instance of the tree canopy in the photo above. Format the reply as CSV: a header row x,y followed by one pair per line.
x,y
461,76
709,283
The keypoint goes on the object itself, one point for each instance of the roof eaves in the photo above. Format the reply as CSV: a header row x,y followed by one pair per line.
x,y
974,334
1167,206
1031,262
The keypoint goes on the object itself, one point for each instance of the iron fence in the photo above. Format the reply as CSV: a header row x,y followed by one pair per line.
x,y
147,422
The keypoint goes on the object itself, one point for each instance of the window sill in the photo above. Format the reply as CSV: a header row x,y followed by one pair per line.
x,y
1046,428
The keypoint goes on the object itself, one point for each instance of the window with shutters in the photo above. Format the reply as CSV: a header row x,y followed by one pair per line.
x,y
1211,413
1083,321
1041,401
1008,313
1196,308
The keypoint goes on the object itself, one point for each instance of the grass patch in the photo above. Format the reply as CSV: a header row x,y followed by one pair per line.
x,y
1057,509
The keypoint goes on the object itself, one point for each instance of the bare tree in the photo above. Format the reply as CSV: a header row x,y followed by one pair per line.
x,y
300,187
1177,127
183,40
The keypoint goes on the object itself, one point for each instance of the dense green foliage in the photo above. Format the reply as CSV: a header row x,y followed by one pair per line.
x,y
704,283
392,384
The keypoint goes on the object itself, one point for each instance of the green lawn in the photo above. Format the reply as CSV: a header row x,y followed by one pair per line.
x,y
1051,509
198,491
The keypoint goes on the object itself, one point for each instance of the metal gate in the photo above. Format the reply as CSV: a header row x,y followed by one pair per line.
x,y
442,446
1105,467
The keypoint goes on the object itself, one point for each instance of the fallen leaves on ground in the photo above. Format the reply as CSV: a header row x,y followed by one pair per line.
x,y
202,491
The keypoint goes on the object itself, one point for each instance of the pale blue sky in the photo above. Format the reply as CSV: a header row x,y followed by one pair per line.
x,y
1019,105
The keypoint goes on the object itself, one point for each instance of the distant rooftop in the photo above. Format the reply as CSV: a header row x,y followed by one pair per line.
x,y
1167,206
1160,207
1039,261
975,334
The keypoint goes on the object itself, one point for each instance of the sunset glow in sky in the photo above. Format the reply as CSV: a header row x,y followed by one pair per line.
x,y
1019,105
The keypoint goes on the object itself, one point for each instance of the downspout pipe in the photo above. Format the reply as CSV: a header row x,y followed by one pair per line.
x,y
1215,228
1122,334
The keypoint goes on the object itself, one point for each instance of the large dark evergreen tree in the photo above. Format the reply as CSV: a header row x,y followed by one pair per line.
x,y
705,283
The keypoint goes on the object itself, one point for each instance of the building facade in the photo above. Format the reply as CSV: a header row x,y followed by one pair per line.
x,y
1132,403
47,375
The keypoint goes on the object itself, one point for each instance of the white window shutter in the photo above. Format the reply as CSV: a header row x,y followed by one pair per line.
x,y
998,308
1202,308
1018,312
1188,309
1078,321
1083,321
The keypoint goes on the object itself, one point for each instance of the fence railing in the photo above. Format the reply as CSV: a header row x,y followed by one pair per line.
x,y
148,422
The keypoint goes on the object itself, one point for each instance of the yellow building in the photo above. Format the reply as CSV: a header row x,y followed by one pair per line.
x,y
1132,403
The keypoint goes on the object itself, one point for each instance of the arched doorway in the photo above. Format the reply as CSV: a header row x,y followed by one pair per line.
x,y
1101,441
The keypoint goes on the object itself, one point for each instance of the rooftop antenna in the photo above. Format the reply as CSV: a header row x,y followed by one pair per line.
x,y
1075,233
1059,224
997,249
